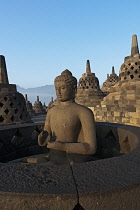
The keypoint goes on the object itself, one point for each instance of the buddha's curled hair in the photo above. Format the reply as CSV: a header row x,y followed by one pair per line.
x,y
67,77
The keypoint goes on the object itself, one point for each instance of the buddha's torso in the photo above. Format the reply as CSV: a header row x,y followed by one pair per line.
x,y
65,123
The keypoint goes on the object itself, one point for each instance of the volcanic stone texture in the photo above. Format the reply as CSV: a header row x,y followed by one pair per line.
x,y
17,141
122,105
12,108
37,187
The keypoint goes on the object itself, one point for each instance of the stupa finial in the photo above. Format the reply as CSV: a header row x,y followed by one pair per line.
x,y
26,98
113,70
3,71
134,48
88,70
37,98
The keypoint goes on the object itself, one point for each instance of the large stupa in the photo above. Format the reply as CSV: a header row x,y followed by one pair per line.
x,y
12,103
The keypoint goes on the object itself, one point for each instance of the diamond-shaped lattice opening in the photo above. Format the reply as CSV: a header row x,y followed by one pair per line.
x,y
127,144
129,64
132,67
6,111
12,118
5,98
11,104
136,63
139,76
21,117
128,72
16,111
1,104
131,76
136,71
125,77
1,119
78,207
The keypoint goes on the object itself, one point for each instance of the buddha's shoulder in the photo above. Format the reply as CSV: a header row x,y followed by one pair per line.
x,y
82,108
53,109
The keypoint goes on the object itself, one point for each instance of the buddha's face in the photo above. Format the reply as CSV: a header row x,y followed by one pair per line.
x,y
63,91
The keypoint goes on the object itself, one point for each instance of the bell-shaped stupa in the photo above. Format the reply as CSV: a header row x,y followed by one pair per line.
x,y
12,103
29,107
130,69
38,107
89,92
111,80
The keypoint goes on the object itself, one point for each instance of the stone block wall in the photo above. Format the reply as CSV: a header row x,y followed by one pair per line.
x,y
119,107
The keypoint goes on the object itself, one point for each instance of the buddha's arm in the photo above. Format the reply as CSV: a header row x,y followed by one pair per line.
x,y
78,147
44,136
89,130
88,145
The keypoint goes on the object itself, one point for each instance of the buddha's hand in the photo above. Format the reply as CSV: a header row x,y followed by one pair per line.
x,y
43,138
51,145
56,145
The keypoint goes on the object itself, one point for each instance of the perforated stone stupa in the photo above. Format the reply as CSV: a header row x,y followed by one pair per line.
x,y
89,92
122,104
38,108
29,107
111,80
130,69
12,103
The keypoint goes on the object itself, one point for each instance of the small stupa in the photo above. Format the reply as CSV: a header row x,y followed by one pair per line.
x,y
89,92
111,80
12,103
29,107
38,108
45,107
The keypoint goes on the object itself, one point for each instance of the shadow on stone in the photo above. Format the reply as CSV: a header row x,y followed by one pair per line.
x,y
78,207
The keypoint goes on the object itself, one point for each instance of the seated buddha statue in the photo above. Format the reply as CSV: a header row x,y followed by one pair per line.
x,y
69,130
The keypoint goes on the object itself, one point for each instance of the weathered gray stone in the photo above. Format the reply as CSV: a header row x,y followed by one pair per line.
x,y
12,103
37,187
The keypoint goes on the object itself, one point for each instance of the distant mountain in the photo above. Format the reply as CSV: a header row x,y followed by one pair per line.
x,y
44,92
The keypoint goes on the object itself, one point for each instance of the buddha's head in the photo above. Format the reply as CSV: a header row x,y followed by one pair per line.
x,y
66,86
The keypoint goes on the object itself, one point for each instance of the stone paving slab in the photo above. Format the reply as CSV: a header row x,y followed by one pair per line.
x,y
29,184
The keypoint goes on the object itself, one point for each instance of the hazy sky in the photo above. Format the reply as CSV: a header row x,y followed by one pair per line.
x,y
41,38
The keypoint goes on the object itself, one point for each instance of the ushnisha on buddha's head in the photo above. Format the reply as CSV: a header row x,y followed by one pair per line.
x,y
66,86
